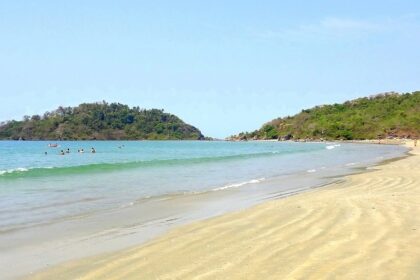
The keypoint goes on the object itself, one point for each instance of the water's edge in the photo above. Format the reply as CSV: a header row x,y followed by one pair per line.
x,y
157,215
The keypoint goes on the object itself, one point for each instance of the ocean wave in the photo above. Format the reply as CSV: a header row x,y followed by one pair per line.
x,y
129,204
108,167
330,147
14,170
237,185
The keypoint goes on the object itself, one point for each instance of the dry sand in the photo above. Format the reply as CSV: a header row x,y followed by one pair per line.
x,y
365,227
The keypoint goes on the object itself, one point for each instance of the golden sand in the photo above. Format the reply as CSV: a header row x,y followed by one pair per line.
x,y
366,227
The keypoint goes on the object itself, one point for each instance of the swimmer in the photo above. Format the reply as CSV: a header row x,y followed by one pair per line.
x,y
68,151
62,153
93,150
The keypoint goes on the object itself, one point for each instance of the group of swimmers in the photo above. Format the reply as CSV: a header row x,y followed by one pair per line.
x,y
80,151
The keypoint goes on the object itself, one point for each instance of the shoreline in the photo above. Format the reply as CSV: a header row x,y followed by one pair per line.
x,y
393,141
116,234
89,267
131,223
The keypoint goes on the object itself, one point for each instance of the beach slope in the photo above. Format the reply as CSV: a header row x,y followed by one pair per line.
x,y
366,226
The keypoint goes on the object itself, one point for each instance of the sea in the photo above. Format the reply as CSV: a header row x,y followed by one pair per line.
x,y
52,195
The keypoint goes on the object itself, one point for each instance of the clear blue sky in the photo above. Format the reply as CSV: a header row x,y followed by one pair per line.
x,y
223,66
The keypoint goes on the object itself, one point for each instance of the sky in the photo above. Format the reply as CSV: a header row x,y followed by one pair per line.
x,y
222,66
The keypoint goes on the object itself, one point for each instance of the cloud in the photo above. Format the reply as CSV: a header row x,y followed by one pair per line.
x,y
343,24
345,29
326,28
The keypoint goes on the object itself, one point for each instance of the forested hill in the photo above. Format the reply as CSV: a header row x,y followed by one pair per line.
x,y
380,116
102,121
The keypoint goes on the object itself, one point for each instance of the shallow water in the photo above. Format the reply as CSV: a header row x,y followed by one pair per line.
x,y
36,188
57,208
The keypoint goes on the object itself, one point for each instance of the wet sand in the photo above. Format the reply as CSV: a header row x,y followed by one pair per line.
x,y
365,227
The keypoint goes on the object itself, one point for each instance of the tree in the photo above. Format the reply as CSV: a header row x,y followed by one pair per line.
x,y
100,121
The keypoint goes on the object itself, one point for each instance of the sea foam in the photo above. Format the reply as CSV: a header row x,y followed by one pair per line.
x,y
330,147
14,170
237,185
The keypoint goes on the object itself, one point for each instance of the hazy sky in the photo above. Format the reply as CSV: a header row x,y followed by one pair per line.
x,y
223,66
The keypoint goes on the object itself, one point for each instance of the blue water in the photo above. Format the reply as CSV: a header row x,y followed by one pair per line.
x,y
38,188
26,159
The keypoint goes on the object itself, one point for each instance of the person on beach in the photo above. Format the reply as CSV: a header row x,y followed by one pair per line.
x,y
415,142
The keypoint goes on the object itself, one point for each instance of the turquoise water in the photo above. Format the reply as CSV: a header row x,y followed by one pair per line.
x,y
38,188
28,159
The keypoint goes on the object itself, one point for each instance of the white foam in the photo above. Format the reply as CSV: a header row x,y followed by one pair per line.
x,y
127,205
311,170
331,146
237,185
19,169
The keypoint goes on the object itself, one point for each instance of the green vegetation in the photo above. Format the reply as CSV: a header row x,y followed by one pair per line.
x,y
380,116
100,121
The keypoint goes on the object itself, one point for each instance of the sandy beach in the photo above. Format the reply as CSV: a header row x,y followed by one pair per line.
x,y
366,226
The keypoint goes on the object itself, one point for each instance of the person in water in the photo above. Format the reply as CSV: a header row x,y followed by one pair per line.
x,y
68,151
93,150
62,153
